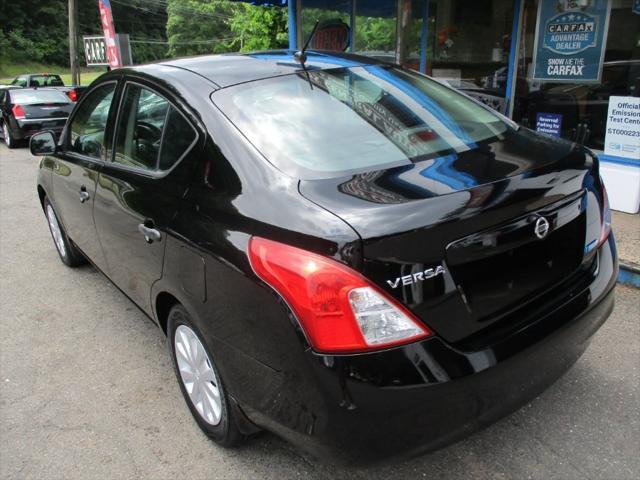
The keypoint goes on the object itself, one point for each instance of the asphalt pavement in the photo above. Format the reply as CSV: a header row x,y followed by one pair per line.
x,y
87,389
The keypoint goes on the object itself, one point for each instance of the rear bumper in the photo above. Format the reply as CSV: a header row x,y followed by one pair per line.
x,y
422,396
24,129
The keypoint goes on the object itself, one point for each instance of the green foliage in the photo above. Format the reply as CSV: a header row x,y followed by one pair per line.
x,y
218,26
28,28
145,22
258,28
197,26
311,15
38,30
375,34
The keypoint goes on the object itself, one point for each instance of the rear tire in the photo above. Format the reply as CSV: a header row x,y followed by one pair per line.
x,y
9,141
68,252
200,381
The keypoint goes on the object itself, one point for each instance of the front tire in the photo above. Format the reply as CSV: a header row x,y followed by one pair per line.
x,y
68,252
200,381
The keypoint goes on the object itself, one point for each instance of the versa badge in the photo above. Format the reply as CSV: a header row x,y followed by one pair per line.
x,y
416,277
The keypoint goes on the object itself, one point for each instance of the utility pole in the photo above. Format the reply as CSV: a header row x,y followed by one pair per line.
x,y
73,42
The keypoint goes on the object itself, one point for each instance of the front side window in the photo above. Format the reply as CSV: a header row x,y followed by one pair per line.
x,y
151,134
90,122
355,119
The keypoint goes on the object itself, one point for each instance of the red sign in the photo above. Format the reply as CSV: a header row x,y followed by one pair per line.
x,y
110,39
331,35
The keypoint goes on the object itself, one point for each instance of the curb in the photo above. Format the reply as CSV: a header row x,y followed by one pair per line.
x,y
629,274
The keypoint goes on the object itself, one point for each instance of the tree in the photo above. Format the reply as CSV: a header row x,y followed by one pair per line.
x,y
260,28
145,21
200,26
37,30
217,26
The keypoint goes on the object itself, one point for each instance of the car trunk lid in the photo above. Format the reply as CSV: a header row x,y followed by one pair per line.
x,y
454,237
47,110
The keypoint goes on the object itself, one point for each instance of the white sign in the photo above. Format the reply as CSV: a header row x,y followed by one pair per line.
x,y
95,51
623,128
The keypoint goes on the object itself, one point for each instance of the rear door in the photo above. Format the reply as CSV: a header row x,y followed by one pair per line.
x,y
139,190
77,166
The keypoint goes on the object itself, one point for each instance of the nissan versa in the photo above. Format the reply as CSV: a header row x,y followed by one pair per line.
x,y
348,254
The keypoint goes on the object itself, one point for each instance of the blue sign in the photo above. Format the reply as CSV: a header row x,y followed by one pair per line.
x,y
549,123
571,36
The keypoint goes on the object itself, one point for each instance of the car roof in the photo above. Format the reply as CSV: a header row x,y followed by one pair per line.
x,y
225,70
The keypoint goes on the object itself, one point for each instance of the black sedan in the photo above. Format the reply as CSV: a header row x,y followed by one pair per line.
x,y
350,255
26,111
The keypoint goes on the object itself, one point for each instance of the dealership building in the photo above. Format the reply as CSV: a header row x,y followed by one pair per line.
x,y
567,68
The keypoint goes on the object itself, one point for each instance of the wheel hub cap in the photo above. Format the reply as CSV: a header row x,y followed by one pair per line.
x,y
56,232
197,374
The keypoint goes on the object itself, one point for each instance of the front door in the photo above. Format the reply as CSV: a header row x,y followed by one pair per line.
x,y
137,195
76,169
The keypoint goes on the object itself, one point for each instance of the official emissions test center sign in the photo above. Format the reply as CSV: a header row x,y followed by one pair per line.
x,y
623,128
571,36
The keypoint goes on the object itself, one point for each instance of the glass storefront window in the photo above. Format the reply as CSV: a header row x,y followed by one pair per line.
x,y
470,49
375,35
377,31
581,107
334,12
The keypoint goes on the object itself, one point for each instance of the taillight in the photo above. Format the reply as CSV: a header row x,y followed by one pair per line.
x,y
605,216
73,95
338,309
18,112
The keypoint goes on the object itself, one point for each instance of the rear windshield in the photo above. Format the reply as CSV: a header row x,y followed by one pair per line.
x,y
30,97
357,119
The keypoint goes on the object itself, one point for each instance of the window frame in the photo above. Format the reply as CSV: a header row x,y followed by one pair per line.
x,y
65,137
156,173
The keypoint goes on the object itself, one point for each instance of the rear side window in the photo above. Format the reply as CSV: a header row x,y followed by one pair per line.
x,y
151,134
89,123
179,135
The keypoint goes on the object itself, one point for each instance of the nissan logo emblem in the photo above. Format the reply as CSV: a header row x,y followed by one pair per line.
x,y
542,228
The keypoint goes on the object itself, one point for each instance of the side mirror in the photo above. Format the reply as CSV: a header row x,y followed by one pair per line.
x,y
43,143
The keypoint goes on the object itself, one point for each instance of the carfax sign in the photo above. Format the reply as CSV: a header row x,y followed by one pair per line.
x,y
571,37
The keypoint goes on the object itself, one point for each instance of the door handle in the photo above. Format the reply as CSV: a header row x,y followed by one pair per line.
x,y
150,234
84,195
